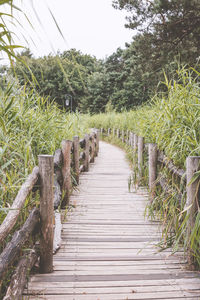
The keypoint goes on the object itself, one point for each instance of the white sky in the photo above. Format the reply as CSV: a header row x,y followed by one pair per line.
x,y
91,26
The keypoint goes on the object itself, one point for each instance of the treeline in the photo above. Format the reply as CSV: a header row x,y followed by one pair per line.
x,y
167,36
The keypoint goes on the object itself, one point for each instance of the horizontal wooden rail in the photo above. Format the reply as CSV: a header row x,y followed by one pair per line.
x,y
53,179
11,218
12,249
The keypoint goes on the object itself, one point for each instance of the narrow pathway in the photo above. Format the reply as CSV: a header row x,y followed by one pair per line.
x,y
108,250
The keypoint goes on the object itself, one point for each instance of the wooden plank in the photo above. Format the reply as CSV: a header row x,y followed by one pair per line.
x,y
130,296
128,283
115,290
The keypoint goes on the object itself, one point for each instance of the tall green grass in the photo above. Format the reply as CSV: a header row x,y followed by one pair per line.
x,y
172,120
29,125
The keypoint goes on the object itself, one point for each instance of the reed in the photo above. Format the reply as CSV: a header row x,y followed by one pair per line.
x,y
172,121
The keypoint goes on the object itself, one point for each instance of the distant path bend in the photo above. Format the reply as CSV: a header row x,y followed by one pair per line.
x,y
108,250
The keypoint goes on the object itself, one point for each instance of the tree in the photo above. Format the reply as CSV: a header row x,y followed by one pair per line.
x,y
174,25
57,75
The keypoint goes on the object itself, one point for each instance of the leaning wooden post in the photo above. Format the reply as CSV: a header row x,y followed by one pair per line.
x,y
87,153
153,156
66,147
140,155
46,170
76,157
192,166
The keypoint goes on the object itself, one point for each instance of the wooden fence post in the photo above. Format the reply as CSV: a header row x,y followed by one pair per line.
x,y
66,147
118,133
122,136
109,131
192,165
135,142
87,152
140,155
92,147
127,136
130,138
153,155
46,170
76,157
97,142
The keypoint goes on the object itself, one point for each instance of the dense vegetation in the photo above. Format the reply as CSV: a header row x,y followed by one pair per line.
x,y
172,121
167,36
29,125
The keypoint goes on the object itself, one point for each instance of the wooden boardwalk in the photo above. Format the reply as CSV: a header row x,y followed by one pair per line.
x,y
108,250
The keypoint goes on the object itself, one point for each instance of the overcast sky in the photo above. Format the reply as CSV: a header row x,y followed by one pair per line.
x,y
91,26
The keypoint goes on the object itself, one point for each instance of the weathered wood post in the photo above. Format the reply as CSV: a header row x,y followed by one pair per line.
x,y
46,171
127,136
87,153
118,133
140,156
192,166
76,157
109,131
135,142
122,136
66,147
97,142
130,138
153,156
92,147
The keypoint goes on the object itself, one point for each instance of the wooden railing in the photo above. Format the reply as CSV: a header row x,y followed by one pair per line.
x,y
53,179
156,157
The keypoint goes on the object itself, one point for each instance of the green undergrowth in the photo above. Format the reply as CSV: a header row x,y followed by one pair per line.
x,y
29,125
172,121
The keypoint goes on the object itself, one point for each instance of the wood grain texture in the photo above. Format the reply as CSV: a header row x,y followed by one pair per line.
x,y
108,248
66,146
46,168
19,238
11,218
76,157
20,276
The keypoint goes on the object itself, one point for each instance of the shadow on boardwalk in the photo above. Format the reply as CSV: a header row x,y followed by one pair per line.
x,y
108,249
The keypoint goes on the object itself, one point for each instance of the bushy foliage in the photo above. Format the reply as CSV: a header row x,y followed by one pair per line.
x,y
29,125
57,76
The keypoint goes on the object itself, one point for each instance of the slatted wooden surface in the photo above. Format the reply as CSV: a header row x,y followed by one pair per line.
x,y
108,250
